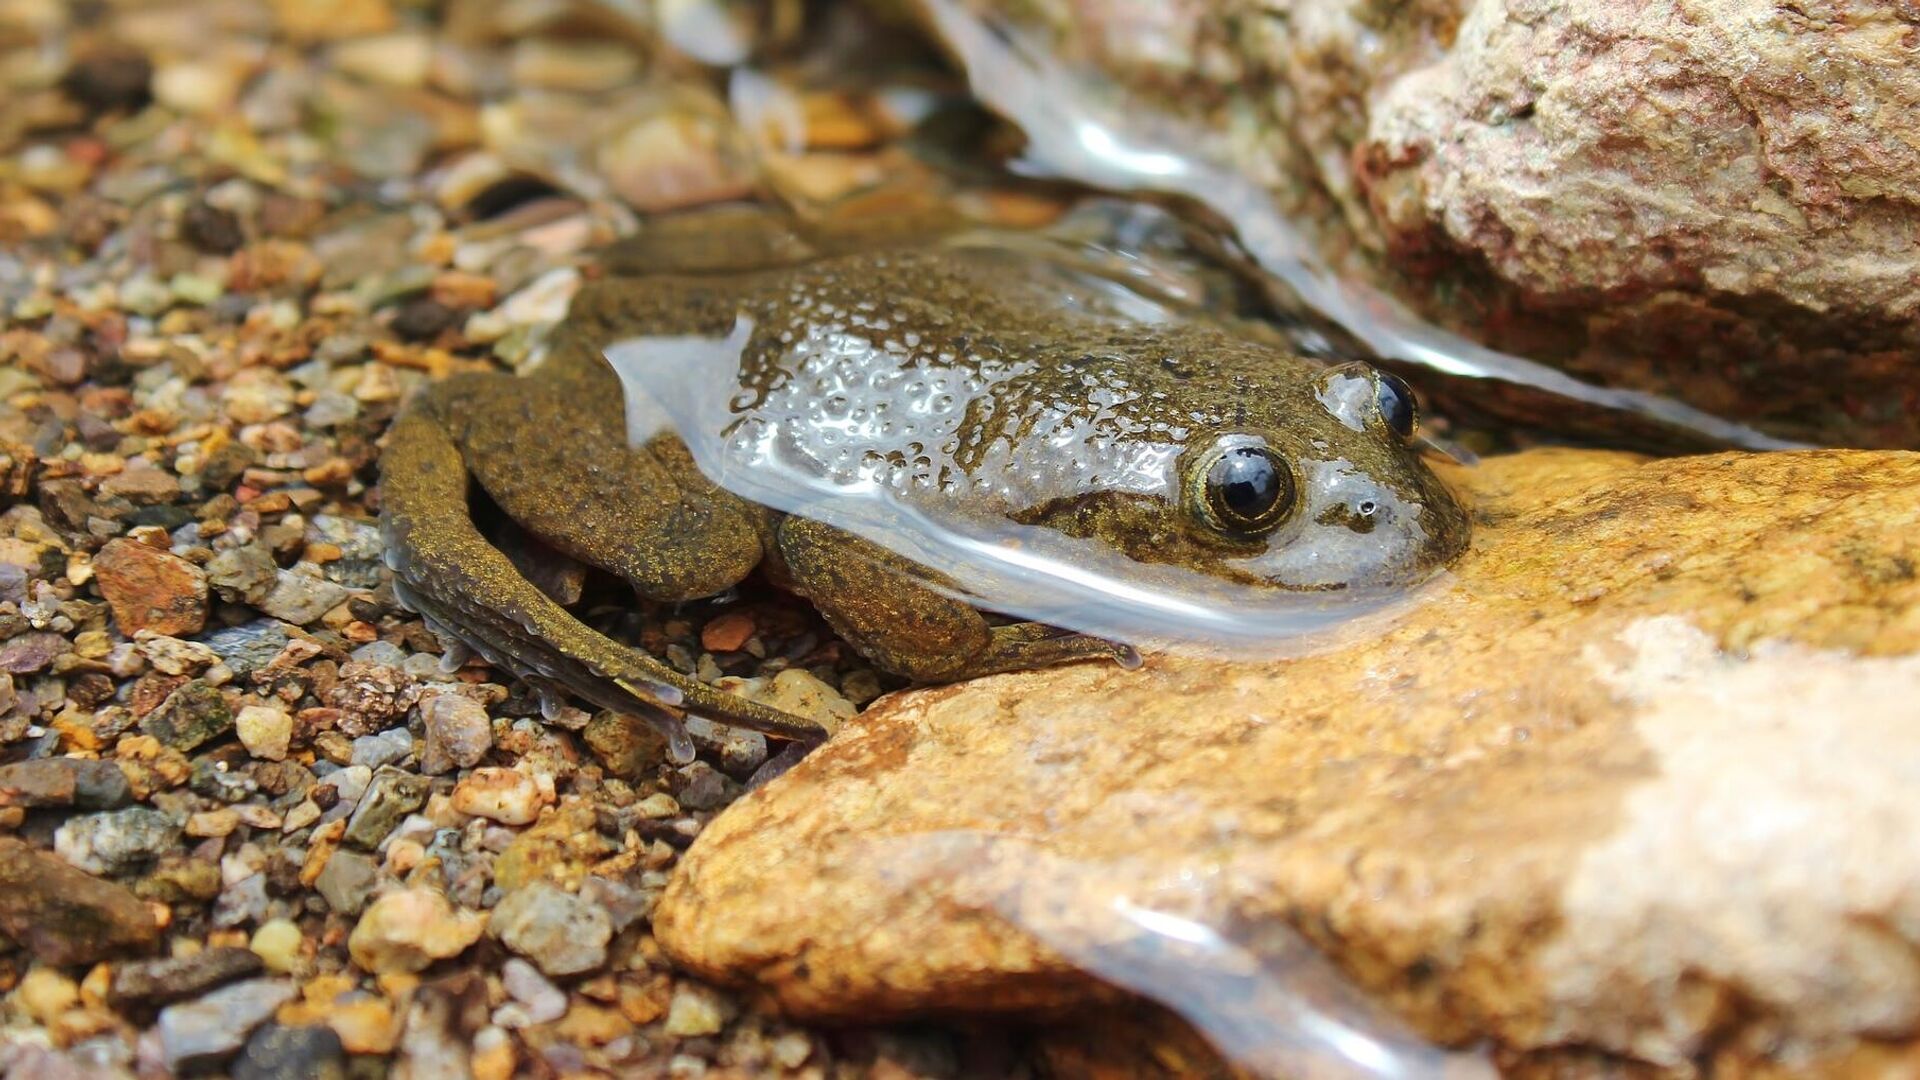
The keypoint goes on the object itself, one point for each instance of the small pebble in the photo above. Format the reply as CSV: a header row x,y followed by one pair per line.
x,y
292,1053
410,929
507,796
164,981
265,731
392,795
277,944
559,932
346,881
301,599
541,1001
458,733
200,1033
117,841
150,589
696,1010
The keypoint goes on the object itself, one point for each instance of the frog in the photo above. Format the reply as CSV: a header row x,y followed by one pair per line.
x,y
996,391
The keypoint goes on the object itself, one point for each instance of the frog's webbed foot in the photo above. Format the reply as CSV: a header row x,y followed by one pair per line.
x,y
448,572
882,605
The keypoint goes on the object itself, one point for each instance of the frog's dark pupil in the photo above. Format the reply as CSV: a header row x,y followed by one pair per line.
x,y
1247,487
1395,399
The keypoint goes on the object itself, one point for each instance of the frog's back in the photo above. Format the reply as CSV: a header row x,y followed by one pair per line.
x,y
935,369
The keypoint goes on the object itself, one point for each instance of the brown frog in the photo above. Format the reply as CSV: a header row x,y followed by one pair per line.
x,y
965,387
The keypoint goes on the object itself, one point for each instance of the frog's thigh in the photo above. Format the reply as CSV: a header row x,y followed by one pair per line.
x,y
559,465
880,604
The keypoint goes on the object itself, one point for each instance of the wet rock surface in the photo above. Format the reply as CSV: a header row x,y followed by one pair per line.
x,y
1714,203
1659,706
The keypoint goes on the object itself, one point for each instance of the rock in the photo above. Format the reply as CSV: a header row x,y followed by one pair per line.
x,y
77,782
366,1024
351,782
190,717
676,159
31,652
559,932
300,599
150,589
292,1053
628,747
458,733
265,730
700,786
246,573
200,1033
1649,748
333,20
410,929
176,978
728,632
696,1010
110,79
117,841
44,993
559,848
507,796
392,795
800,692
278,945
423,319
370,696
64,916
387,748
241,902
249,647
346,881
211,229
173,656
1704,224
143,485
398,59
540,1001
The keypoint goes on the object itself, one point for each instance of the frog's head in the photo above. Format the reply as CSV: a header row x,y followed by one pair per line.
x,y
1290,478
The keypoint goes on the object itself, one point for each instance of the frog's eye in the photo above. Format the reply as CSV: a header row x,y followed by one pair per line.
x,y
1246,489
1395,400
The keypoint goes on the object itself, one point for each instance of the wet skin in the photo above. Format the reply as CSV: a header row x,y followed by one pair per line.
x,y
1180,445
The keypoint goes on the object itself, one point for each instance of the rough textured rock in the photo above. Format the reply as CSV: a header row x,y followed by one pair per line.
x,y
87,784
150,589
63,915
410,929
1632,782
1716,199
561,933
209,1029
173,978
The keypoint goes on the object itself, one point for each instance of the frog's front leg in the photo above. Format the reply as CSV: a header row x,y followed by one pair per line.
x,y
446,570
882,605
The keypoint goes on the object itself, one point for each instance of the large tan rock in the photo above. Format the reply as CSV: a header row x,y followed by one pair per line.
x,y
1712,198
1638,781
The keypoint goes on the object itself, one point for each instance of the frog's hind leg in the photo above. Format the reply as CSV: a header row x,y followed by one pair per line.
x,y
551,451
446,570
882,605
